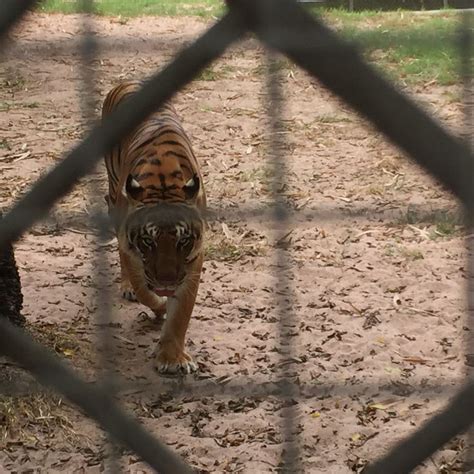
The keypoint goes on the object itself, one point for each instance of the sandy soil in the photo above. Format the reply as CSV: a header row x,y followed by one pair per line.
x,y
374,246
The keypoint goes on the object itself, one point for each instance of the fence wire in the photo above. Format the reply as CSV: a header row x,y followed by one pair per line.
x,y
12,11
105,343
286,300
284,27
466,45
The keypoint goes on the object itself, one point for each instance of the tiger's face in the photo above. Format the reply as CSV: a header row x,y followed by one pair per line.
x,y
167,239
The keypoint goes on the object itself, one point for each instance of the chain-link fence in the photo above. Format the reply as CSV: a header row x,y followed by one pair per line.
x,y
283,27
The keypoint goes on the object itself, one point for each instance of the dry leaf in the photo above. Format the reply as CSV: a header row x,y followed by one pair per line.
x,y
226,231
383,405
416,360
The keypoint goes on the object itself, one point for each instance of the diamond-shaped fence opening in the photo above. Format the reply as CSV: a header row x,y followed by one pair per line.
x,y
284,28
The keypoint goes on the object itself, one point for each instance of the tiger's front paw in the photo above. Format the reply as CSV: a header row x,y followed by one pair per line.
x,y
160,310
127,291
172,361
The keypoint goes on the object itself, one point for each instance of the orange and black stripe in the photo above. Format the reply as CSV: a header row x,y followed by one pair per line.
x,y
157,155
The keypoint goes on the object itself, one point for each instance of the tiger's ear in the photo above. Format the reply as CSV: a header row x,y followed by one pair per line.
x,y
132,188
191,188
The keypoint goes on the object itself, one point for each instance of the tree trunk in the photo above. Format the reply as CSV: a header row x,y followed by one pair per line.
x,y
11,298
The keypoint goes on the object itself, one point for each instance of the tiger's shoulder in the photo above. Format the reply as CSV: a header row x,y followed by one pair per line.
x,y
156,161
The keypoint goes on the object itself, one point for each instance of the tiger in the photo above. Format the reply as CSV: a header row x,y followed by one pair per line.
x,y
156,201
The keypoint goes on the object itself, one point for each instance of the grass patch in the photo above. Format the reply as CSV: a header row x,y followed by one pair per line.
x,y
411,254
332,118
376,190
444,229
411,52
201,8
263,175
11,80
226,251
207,74
62,340
223,251
441,222
231,244
32,105
434,216
33,419
404,45
215,74
6,106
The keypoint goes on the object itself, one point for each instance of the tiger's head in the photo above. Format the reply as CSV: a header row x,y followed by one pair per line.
x,y
166,238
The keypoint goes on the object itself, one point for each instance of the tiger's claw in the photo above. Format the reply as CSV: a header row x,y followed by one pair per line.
x,y
181,365
129,294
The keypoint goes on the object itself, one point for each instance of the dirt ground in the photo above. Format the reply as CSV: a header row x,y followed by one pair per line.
x,y
375,274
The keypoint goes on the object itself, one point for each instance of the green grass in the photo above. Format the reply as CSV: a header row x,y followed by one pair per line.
x,y
435,216
415,53
213,73
404,45
130,8
438,222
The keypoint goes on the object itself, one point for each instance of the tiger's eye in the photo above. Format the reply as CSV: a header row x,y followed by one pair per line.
x,y
147,241
184,241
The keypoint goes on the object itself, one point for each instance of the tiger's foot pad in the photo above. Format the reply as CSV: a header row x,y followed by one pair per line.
x,y
128,293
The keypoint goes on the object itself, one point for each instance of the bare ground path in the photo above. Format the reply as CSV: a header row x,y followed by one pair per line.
x,y
375,246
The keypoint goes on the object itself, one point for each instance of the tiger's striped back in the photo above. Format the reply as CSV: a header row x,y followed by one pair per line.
x,y
157,155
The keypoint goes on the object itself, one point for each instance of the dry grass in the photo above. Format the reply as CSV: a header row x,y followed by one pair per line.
x,y
214,73
411,253
33,419
262,174
226,251
64,341
229,245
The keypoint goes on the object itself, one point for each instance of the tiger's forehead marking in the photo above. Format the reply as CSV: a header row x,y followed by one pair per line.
x,y
151,229
180,229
